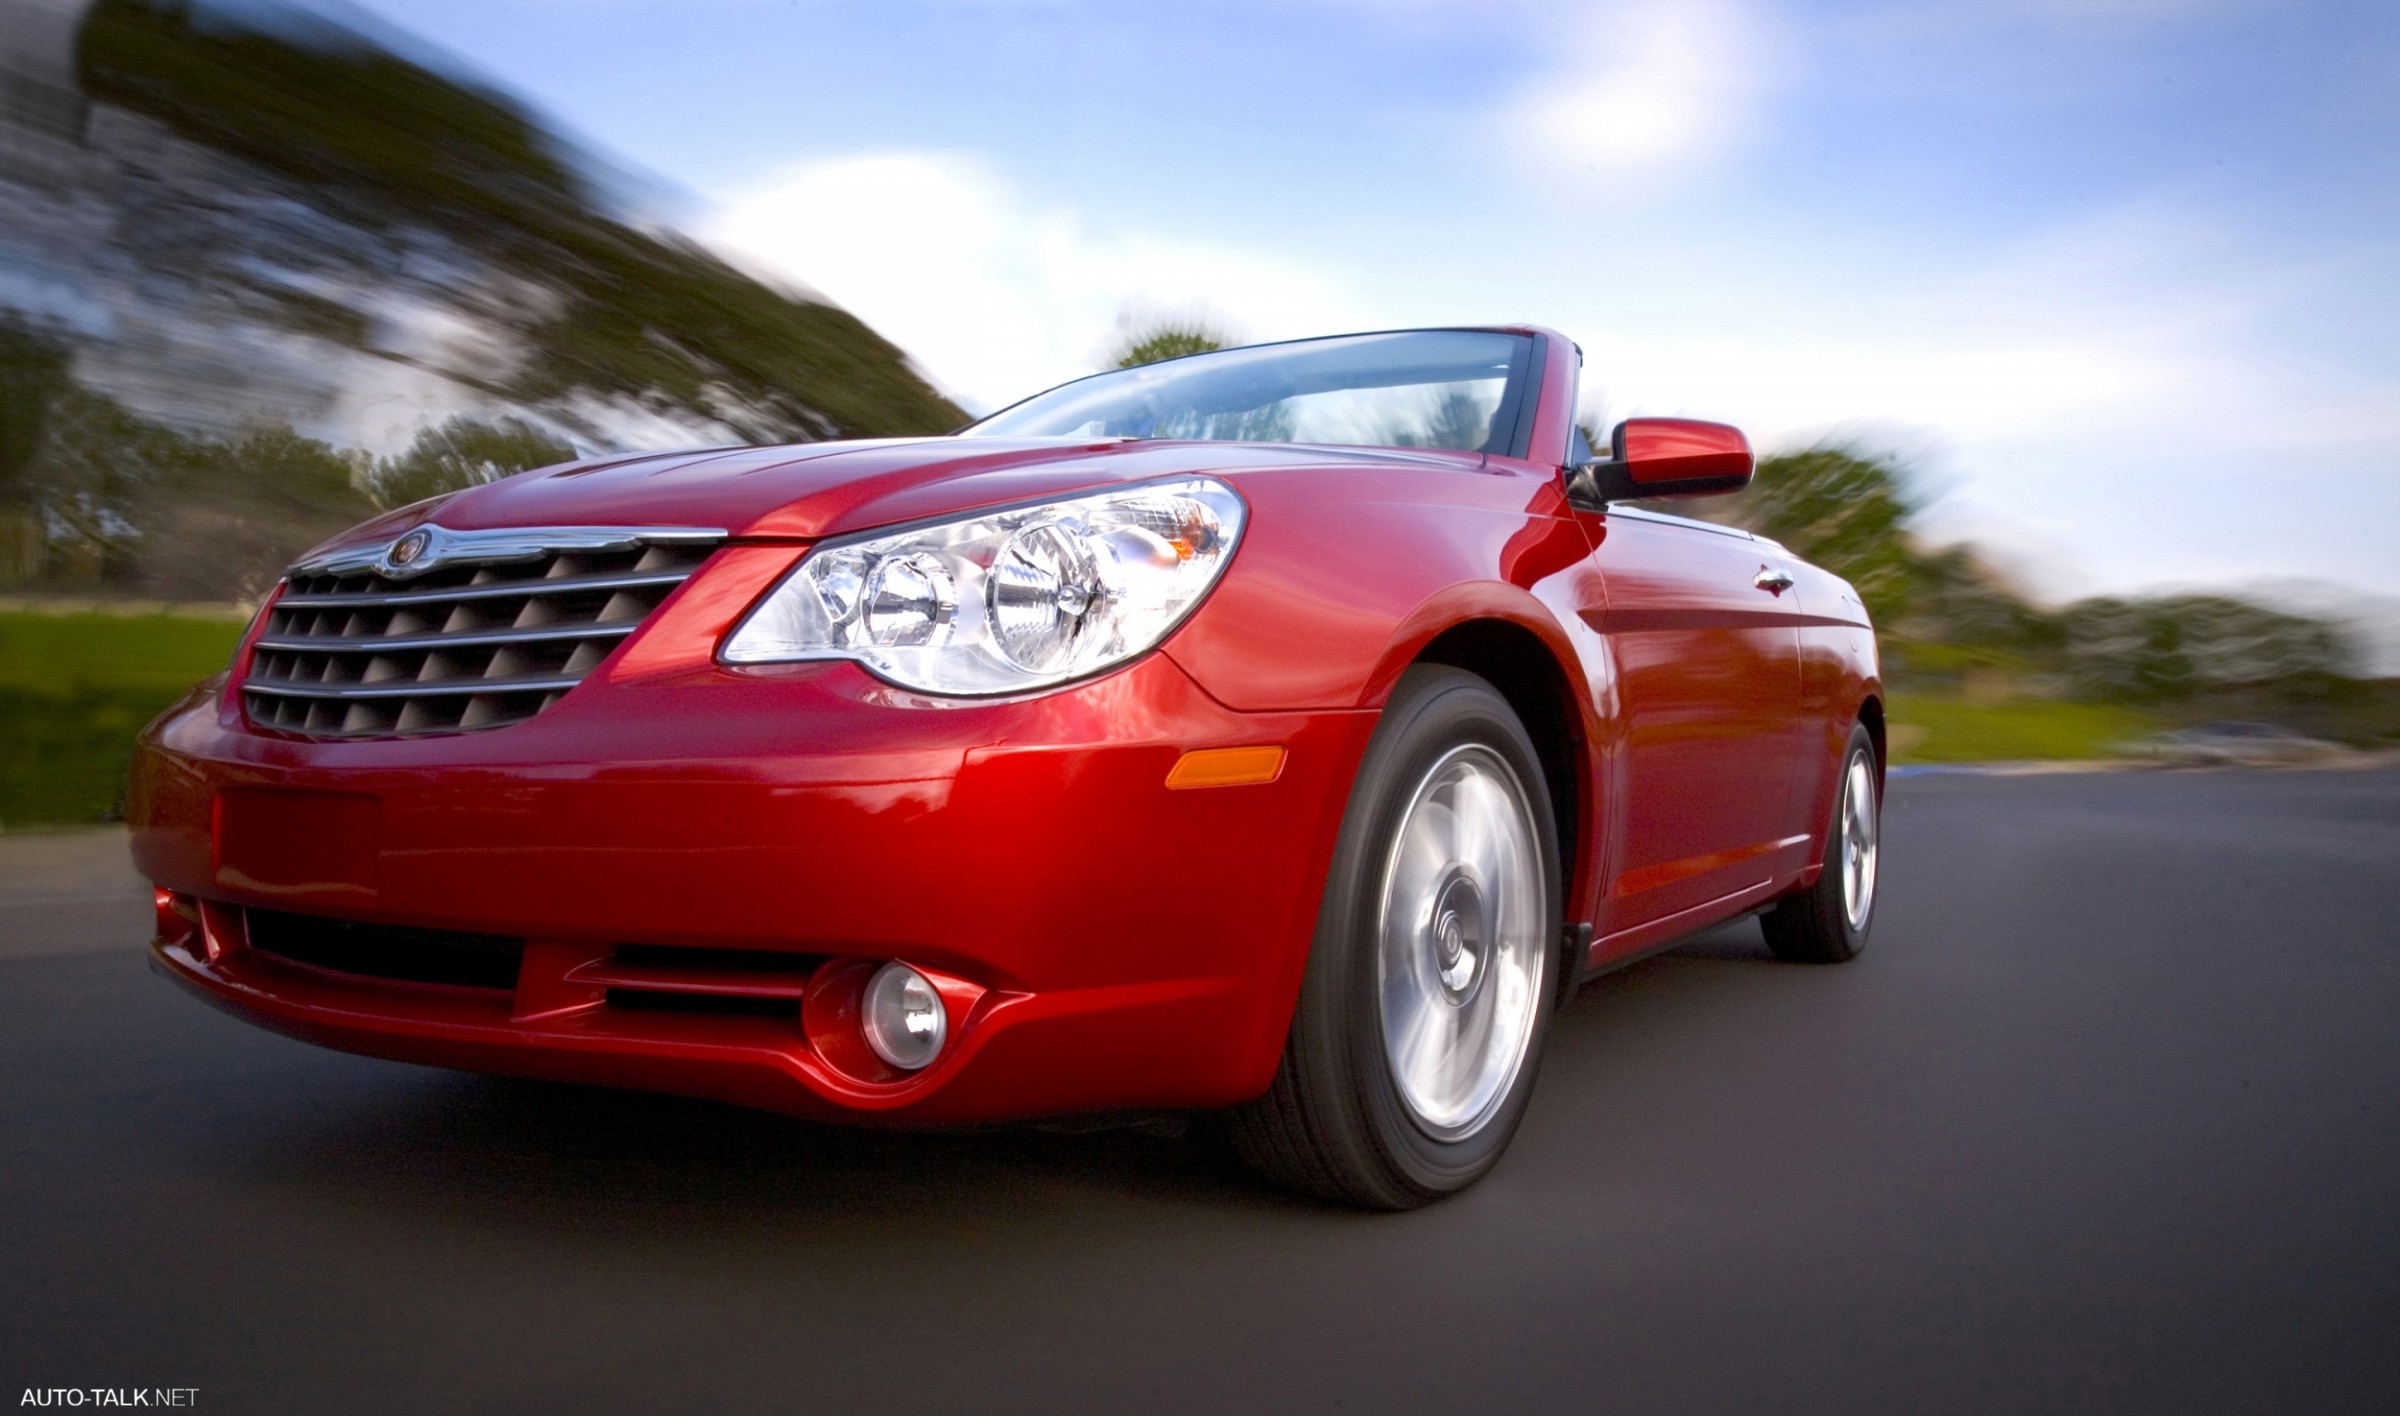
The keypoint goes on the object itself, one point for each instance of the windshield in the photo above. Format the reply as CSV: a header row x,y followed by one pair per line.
x,y
1448,388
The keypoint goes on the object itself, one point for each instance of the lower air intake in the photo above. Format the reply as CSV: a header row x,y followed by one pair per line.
x,y
388,951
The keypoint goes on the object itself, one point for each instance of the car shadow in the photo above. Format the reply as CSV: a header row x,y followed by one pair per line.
x,y
525,1153
521,1150
1735,942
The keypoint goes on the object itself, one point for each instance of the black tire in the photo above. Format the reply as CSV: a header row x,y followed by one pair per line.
x,y
1818,924
1335,1123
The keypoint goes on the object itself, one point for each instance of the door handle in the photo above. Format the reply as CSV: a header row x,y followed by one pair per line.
x,y
1773,581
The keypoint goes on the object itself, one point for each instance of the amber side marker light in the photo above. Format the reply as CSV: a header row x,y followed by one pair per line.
x,y
1226,767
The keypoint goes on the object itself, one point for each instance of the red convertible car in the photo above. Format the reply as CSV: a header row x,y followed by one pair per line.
x,y
1282,731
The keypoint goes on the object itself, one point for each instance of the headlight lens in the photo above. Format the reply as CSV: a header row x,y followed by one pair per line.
x,y
1006,601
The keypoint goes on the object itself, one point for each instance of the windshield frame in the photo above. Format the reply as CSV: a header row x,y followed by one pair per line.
x,y
1520,393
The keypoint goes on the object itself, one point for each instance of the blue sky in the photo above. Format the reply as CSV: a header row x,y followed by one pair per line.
x,y
2119,278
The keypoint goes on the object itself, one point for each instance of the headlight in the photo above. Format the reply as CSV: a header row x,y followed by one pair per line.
x,y
1005,601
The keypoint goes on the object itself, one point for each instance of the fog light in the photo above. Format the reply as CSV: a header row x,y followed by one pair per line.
x,y
903,1018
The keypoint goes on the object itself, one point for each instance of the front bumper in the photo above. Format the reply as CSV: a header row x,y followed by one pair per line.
x,y
1104,941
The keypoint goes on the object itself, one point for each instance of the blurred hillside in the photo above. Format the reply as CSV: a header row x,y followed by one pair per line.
x,y
259,273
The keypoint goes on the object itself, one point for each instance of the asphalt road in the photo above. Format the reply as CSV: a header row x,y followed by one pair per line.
x,y
2108,1119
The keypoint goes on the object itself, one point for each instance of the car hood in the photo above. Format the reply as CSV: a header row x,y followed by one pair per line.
x,y
827,489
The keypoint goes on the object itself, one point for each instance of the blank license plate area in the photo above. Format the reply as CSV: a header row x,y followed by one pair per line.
x,y
316,848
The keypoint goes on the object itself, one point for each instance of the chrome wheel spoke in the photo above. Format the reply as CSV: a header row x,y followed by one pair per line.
x,y
1476,844
1460,953
1859,845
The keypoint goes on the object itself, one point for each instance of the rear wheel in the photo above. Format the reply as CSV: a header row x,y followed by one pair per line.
x,y
1828,922
1432,974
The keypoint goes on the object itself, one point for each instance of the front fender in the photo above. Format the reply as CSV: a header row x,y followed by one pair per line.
x,y
1345,574
1458,605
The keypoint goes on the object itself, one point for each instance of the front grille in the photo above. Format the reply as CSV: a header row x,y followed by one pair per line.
x,y
386,950
474,629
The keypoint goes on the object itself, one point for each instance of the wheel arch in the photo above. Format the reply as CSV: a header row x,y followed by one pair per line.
x,y
1870,715
1528,673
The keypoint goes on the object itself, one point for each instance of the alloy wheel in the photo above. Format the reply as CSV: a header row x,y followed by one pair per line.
x,y
1461,954
1860,845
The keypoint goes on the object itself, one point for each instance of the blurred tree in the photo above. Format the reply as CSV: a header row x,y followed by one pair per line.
x,y
2172,647
234,514
1462,423
1164,339
1955,597
1842,508
1270,422
118,502
1592,420
33,371
462,452
109,500
91,472
278,466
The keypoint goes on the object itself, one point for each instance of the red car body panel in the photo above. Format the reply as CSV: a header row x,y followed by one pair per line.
x,y
1102,940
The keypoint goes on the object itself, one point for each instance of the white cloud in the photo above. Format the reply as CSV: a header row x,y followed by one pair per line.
x,y
2125,399
1790,386
2066,334
1647,84
995,295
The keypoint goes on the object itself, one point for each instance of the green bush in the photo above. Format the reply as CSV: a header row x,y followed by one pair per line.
x,y
63,755
75,690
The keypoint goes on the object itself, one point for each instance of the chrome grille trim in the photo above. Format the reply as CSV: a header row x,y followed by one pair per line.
x,y
466,638
478,592
496,546
470,630
414,690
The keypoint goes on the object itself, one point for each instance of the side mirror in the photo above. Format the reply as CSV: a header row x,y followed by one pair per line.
x,y
1664,457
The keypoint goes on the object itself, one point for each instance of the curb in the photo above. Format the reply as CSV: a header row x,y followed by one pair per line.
x,y
2015,769
2347,762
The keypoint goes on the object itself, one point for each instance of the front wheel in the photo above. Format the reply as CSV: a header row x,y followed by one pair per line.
x,y
1828,922
1429,984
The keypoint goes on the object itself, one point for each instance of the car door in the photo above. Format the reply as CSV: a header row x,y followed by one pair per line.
x,y
1707,681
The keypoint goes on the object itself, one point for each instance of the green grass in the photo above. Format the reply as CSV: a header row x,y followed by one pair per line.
x,y
75,689
1934,729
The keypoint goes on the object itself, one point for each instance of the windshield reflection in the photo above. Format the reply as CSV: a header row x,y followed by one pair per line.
x,y
1455,389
